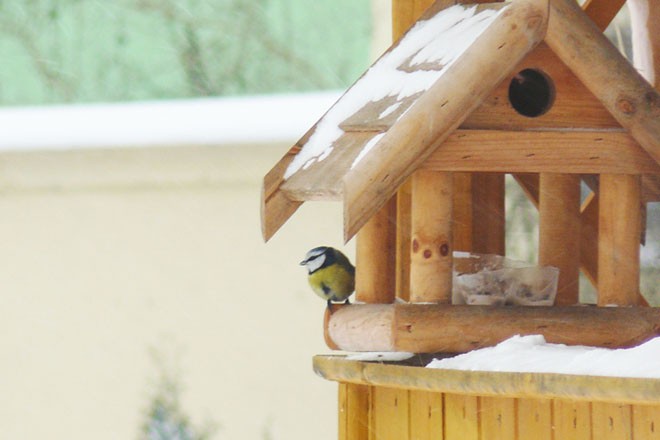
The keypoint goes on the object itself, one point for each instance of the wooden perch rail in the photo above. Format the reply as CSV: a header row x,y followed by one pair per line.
x,y
429,328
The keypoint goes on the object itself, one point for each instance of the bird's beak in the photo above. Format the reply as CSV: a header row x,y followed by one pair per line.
x,y
303,262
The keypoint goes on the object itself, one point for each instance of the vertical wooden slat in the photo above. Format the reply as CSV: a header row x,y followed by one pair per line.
x,y
619,231
535,419
572,419
426,415
498,418
611,421
390,418
431,247
376,257
461,417
488,213
462,228
646,422
353,411
559,232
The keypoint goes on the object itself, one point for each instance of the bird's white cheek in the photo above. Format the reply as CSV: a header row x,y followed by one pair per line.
x,y
315,263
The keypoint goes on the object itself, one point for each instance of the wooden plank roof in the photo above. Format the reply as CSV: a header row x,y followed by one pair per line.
x,y
417,94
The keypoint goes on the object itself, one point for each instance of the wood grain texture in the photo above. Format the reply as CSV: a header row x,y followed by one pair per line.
x,y
430,328
390,417
461,417
611,421
375,277
622,90
589,238
426,415
497,418
646,422
353,411
431,247
570,152
619,232
407,144
602,12
535,419
559,232
572,419
574,389
574,106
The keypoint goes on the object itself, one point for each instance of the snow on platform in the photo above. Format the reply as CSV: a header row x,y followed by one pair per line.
x,y
532,354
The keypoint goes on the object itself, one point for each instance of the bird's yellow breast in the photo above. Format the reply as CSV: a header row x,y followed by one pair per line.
x,y
333,282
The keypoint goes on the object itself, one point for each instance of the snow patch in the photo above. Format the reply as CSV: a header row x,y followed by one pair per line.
x,y
438,40
532,354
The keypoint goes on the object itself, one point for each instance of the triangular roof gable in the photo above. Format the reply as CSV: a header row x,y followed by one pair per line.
x,y
395,151
401,109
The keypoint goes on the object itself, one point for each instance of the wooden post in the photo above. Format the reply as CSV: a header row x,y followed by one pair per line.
x,y
404,14
619,231
431,258
559,232
376,257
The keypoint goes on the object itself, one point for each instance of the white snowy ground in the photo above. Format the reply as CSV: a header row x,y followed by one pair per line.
x,y
532,354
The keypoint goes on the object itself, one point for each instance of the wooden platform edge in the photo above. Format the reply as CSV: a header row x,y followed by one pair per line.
x,y
621,390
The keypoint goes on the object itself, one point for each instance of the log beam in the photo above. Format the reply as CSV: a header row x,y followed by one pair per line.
x,y
429,328
581,45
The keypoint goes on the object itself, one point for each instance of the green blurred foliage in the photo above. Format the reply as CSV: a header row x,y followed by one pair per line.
x,y
61,51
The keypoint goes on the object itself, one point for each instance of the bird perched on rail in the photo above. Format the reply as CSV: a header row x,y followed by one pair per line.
x,y
330,274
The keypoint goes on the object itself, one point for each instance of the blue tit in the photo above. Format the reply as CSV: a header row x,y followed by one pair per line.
x,y
330,274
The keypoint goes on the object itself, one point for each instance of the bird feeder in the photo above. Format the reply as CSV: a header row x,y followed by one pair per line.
x,y
417,149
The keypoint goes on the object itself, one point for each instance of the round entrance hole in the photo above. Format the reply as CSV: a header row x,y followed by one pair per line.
x,y
531,92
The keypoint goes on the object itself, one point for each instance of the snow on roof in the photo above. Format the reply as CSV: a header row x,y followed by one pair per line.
x,y
425,53
205,121
532,354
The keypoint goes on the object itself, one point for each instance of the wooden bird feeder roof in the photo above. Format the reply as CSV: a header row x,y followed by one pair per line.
x,y
404,112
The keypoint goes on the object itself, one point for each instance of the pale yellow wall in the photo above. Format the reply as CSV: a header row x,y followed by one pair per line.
x,y
108,255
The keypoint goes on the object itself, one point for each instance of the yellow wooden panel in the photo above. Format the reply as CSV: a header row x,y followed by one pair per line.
x,y
535,419
572,419
646,422
389,418
353,411
461,417
611,421
497,418
425,415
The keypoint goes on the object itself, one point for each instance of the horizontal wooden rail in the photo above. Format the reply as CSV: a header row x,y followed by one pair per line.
x,y
486,383
430,328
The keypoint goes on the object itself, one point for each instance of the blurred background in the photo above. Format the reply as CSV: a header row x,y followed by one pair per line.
x,y
138,299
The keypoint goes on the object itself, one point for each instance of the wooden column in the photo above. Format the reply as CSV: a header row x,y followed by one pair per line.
x,y
431,257
376,257
559,232
404,14
619,231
